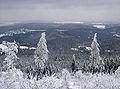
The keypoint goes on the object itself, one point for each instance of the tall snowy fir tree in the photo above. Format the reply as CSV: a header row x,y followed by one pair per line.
x,y
41,54
97,63
41,57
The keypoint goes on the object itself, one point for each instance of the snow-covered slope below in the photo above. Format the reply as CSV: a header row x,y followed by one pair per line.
x,y
14,80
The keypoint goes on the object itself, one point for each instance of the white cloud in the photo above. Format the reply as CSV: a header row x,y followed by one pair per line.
x,y
87,10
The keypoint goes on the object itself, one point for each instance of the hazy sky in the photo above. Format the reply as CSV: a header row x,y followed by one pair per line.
x,y
60,10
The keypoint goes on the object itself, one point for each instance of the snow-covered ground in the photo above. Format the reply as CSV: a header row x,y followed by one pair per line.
x,y
86,48
75,49
23,47
15,80
116,35
4,47
99,26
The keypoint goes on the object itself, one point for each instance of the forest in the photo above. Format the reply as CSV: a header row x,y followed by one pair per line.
x,y
97,72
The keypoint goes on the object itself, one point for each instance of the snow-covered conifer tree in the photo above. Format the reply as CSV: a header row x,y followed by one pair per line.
x,y
12,78
96,60
41,54
11,56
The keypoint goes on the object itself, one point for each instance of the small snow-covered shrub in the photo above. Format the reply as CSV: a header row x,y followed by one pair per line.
x,y
49,83
66,77
14,80
117,73
96,81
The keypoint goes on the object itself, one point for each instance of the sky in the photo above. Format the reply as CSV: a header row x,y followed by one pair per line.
x,y
60,10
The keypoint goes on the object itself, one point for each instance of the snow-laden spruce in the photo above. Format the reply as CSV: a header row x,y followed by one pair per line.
x,y
96,61
41,54
10,53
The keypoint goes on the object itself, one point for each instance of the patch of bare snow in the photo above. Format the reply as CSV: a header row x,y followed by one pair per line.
x,y
99,26
116,35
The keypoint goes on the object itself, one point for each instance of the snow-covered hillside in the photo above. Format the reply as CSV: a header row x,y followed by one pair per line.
x,y
11,33
4,47
21,31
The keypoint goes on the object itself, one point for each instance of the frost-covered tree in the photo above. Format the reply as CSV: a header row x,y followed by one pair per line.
x,y
96,61
10,53
11,78
41,54
41,57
